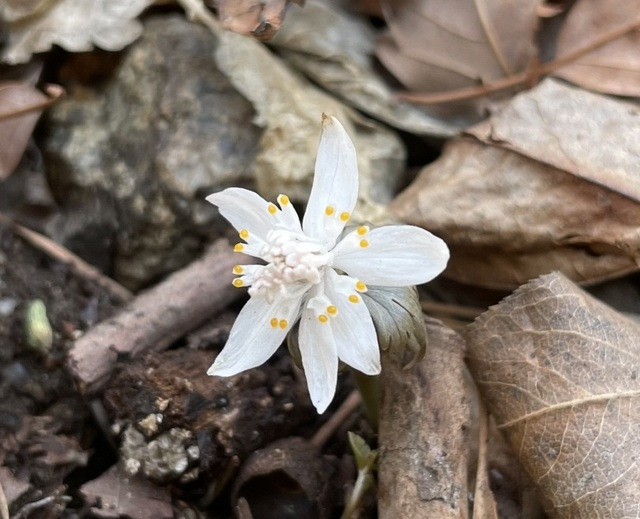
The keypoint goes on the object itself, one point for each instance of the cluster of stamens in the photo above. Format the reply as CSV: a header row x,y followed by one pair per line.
x,y
294,263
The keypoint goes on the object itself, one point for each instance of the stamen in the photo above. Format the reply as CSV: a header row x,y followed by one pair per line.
x,y
362,230
238,269
283,200
238,247
364,243
283,323
329,210
361,287
344,216
237,282
244,234
273,322
332,310
323,318
272,209
354,298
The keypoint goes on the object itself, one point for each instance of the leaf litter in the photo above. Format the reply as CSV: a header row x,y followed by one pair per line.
x,y
548,182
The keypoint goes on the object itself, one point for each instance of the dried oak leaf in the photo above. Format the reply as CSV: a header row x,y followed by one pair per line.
x,y
613,68
549,183
440,45
560,371
75,25
259,18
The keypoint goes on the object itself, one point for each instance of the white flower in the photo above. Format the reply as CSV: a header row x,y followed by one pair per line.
x,y
308,276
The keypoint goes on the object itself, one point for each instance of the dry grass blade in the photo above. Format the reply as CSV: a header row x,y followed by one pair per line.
x,y
560,372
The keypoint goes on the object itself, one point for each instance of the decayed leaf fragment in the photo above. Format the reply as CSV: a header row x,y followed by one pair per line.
x,y
20,108
75,25
335,49
549,183
560,371
439,45
259,18
613,68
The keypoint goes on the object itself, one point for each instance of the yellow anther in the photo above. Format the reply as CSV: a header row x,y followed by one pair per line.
x,y
332,310
244,234
364,243
361,287
283,200
274,322
354,298
323,318
329,210
362,230
272,209
283,323
238,269
344,216
238,247
237,283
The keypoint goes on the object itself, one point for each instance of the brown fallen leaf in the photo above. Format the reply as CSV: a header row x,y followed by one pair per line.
x,y
116,494
549,183
20,107
560,371
435,45
613,68
259,18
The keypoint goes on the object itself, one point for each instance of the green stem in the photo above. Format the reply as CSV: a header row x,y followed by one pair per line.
x,y
369,387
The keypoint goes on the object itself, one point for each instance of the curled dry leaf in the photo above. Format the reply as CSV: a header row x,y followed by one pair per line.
x,y
549,183
75,25
20,107
440,45
560,371
288,108
335,49
259,18
613,68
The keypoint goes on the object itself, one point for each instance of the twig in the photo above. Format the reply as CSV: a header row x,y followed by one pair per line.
x,y
517,79
346,409
59,253
157,317
465,313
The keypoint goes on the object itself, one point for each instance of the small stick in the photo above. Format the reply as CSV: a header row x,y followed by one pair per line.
x,y
157,317
59,253
346,409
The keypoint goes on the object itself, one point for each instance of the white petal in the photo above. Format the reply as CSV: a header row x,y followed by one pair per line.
x,y
352,327
319,359
398,255
253,339
335,183
245,210
248,211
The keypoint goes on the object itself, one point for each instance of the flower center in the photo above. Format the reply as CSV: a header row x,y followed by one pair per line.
x,y
295,262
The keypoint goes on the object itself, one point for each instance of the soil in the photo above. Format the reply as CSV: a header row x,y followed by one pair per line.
x,y
46,430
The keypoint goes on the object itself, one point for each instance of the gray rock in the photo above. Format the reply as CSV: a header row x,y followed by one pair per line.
x,y
131,161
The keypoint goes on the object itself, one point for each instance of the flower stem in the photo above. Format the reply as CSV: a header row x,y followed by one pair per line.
x,y
369,387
